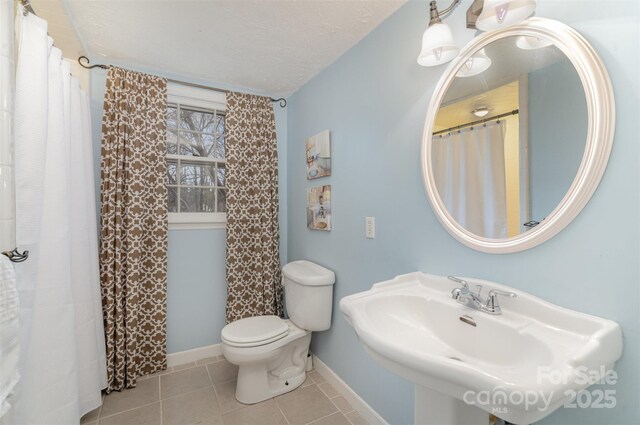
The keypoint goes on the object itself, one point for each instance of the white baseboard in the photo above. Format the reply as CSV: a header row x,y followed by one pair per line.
x,y
366,411
188,356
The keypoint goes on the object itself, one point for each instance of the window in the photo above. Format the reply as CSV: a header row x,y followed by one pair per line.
x,y
196,163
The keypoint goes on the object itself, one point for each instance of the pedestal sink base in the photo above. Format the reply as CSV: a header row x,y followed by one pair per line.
x,y
435,408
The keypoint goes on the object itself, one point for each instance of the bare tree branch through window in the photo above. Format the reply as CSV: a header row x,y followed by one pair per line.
x,y
195,160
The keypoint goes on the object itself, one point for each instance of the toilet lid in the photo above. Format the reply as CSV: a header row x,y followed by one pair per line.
x,y
255,330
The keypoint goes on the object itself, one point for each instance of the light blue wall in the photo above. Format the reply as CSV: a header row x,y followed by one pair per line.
x,y
196,287
557,134
374,99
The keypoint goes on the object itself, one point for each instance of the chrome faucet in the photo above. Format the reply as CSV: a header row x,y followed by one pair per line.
x,y
473,299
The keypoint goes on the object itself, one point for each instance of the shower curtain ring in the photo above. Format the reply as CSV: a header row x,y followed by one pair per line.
x,y
15,255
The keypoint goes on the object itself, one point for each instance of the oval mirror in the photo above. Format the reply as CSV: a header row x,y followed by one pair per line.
x,y
517,136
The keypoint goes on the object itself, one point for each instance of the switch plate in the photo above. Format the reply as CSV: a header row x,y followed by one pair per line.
x,y
370,227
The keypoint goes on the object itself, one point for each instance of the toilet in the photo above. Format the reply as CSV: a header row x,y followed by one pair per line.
x,y
270,352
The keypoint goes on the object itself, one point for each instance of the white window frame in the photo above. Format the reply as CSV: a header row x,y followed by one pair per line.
x,y
188,96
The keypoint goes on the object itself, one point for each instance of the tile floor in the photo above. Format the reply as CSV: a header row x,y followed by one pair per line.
x,y
203,393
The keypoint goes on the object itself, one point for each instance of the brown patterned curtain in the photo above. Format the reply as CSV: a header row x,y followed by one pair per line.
x,y
253,259
133,220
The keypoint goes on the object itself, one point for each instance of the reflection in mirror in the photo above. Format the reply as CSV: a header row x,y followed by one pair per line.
x,y
508,140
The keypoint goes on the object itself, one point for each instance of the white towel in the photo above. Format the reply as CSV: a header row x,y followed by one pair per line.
x,y
9,351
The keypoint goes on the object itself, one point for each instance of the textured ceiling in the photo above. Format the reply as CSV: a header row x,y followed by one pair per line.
x,y
59,26
267,46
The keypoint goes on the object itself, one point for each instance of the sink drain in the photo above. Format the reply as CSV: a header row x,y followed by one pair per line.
x,y
456,359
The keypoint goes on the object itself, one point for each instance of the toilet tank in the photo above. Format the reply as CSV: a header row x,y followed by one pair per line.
x,y
308,294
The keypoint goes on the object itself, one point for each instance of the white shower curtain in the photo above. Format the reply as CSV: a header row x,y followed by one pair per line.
x,y
63,365
469,171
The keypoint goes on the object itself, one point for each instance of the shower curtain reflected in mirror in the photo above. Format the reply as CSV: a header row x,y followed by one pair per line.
x,y
62,350
469,171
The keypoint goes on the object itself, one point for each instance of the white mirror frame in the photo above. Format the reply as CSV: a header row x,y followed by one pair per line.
x,y
601,124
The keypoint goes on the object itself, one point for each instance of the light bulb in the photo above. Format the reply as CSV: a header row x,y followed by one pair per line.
x,y
477,63
501,12
498,14
437,53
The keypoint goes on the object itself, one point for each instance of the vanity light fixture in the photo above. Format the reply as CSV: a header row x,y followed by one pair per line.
x,y
526,42
498,14
476,64
480,112
438,46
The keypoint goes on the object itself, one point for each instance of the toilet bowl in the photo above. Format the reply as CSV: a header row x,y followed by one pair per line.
x,y
270,352
267,367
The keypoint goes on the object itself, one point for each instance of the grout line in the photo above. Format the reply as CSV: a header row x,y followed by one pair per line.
x,y
157,401
215,393
209,376
324,417
185,393
344,413
350,419
128,410
171,369
224,382
281,411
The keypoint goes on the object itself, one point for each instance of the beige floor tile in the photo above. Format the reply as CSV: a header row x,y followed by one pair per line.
x,y
145,415
305,405
317,378
335,419
91,423
145,392
222,371
158,373
183,366
184,381
90,417
296,391
265,413
213,359
197,407
307,381
355,418
226,393
329,390
342,404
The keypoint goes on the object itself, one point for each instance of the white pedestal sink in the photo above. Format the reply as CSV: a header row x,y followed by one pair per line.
x,y
520,365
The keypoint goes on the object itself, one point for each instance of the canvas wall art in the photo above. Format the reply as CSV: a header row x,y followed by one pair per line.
x,y
318,149
319,208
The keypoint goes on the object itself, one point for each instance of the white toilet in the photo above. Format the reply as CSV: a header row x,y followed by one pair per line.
x,y
271,353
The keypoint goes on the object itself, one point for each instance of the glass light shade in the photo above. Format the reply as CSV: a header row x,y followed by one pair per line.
x,y
438,46
477,63
480,112
498,14
531,43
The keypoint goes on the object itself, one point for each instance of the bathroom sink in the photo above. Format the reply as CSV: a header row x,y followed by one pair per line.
x,y
534,351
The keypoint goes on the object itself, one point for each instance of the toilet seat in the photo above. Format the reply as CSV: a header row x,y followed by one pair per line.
x,y
254,331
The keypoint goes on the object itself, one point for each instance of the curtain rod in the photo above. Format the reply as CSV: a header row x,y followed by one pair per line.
x,y
85,63
482,121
